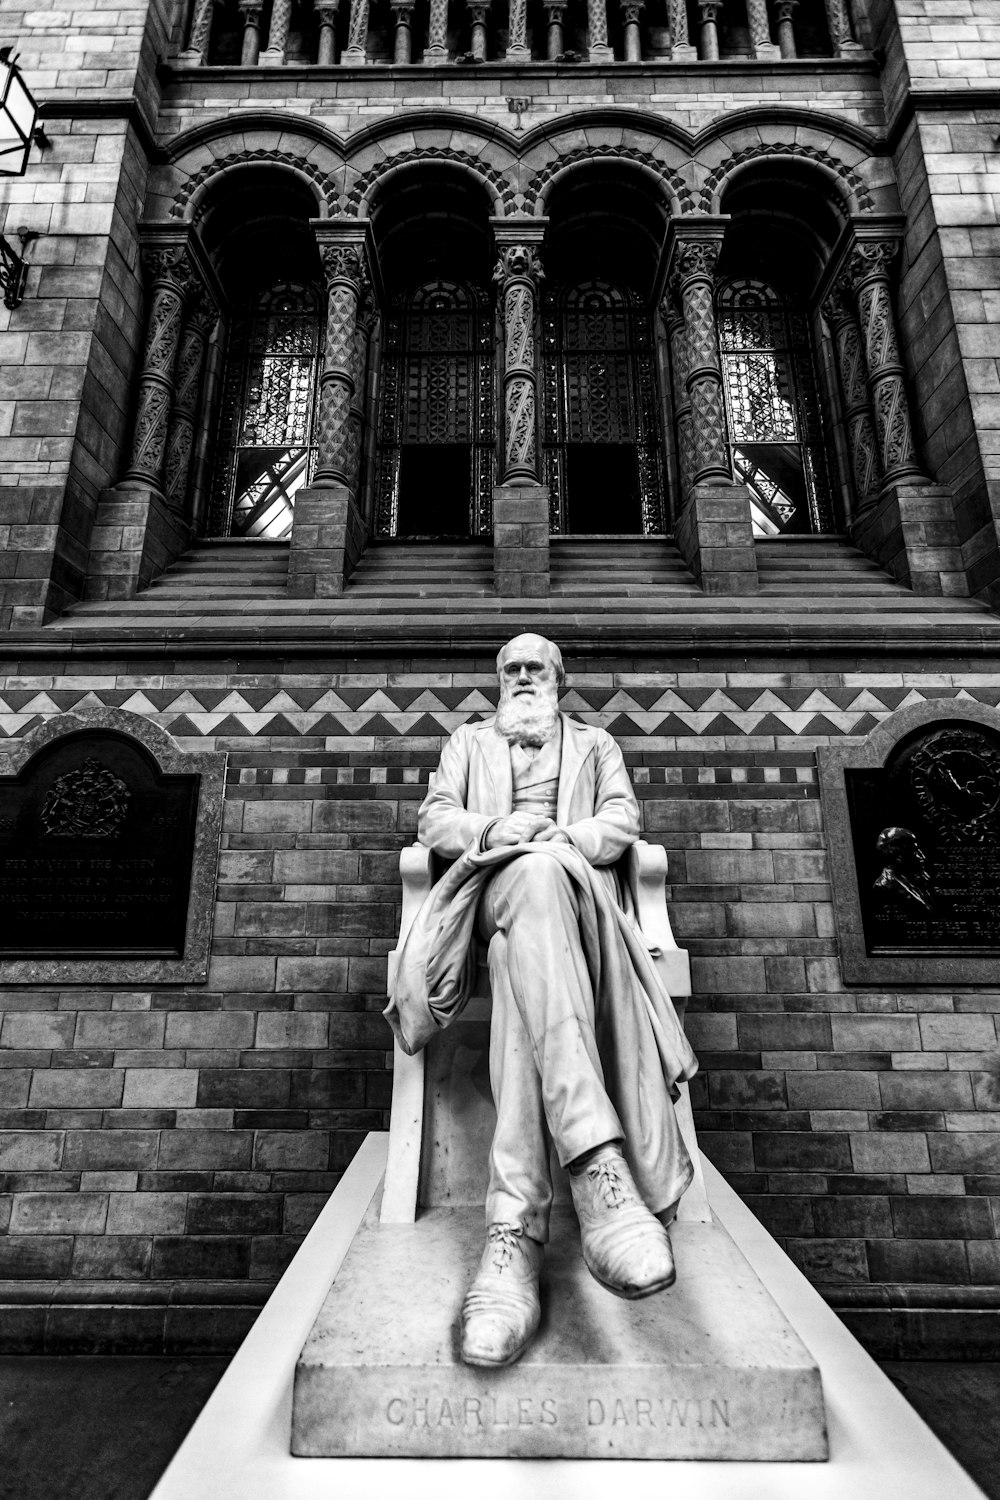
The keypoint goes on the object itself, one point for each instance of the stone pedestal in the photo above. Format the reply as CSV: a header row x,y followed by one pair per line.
x,y
710,1369
521,540
136,537
715,538
328,538
910,531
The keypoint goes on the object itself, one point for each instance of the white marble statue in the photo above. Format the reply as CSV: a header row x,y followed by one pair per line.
x,y
585,1046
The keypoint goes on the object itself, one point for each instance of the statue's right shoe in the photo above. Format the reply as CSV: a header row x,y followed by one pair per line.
x,y
625,1247
501,1310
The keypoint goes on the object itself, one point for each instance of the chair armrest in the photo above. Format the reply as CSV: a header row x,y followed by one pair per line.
x,y
646,873
416,872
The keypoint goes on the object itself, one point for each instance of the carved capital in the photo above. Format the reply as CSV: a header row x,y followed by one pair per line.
x,y
709,10
631,11
697,258
783,9
518,262
838,305
250,11
871,258
169,266
326,11
346,263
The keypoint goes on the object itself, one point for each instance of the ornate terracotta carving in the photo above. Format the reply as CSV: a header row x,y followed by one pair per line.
x,y
198,326
348,283
518,274
868,273
838,309
693,285
169,272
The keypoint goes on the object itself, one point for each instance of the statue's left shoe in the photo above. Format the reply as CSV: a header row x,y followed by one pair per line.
x,y
501,1311
625,1247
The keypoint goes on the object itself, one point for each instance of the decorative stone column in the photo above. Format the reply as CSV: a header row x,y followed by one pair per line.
x,y
201,319
708,42
518,50
868,273
356,50
838,22
170,275
838,309
683,421
273,55
783,11
328,530
598,50
436,51
713,530
520,501
402,20
631,11
760,31
555,12
681,47
326,14
250,11
195,53
478,11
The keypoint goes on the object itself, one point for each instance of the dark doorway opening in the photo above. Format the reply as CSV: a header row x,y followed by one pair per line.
x,y
435,481
602,487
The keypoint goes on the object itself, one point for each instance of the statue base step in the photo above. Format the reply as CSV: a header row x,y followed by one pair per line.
x,y
708,1370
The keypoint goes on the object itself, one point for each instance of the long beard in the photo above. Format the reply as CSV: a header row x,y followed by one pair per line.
x,y
528,719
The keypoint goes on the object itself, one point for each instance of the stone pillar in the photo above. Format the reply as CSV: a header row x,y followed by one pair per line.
x,y
328,530
250,11
631,11
357,34
868,274
326,13
713,531
842,43
760,31
708,42
838,309
477,28
357,416
273,55
436,51
520,501
198,325
196,52
518,50
681,47
555,11
598,50
783,11
694,286
683,420
170,275
402,20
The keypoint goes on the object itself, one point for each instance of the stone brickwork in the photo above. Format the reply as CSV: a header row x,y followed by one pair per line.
x,y
166,1150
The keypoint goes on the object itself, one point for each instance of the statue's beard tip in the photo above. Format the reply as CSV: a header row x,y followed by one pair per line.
x,y
531,719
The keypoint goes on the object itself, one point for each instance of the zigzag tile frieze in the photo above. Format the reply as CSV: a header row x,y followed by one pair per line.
x,y
395,711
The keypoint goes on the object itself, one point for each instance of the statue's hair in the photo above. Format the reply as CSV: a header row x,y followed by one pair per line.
x,y
554,653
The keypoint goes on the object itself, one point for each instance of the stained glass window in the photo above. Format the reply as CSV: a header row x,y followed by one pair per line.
x,y
773,408
600,421
265,450
436,465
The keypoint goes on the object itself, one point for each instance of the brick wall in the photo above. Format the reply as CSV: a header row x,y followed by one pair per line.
x,y
165,1151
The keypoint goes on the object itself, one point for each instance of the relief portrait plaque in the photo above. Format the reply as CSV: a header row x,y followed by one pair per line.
x,y
916,871
107,830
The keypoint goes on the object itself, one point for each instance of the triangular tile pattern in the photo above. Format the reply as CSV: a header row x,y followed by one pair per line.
x,y
386,709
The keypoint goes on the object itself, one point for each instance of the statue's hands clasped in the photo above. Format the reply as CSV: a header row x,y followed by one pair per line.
x,y
524,828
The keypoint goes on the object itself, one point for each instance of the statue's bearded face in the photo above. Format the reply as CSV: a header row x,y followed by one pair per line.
x,y
529,691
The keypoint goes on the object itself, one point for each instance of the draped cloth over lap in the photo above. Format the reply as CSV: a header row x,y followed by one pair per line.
x,y
643,1049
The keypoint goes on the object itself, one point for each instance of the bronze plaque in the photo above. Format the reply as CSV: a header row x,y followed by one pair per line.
x,y
926,835
96,848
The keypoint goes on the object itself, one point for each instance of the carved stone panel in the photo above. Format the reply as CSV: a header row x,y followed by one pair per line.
x,y
914,828
109,839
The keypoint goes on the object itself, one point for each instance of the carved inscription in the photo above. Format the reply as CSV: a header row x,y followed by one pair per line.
x,y
926,833
494,1413
96,847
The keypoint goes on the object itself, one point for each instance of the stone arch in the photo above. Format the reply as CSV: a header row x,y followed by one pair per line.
x,y
851,189
189,201
356,200
675,191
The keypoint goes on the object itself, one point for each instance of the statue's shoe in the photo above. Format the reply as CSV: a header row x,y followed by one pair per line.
x,y
501,1310
626,1249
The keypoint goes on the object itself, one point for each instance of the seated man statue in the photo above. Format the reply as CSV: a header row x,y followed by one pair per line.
x,y
585,1046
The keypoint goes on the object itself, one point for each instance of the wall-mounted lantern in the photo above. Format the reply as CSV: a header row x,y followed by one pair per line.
x,y
18,128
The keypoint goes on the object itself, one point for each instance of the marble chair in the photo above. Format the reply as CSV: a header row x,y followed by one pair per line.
x,y
442,1116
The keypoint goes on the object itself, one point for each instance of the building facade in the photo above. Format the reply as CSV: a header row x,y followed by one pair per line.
x,y
359,336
